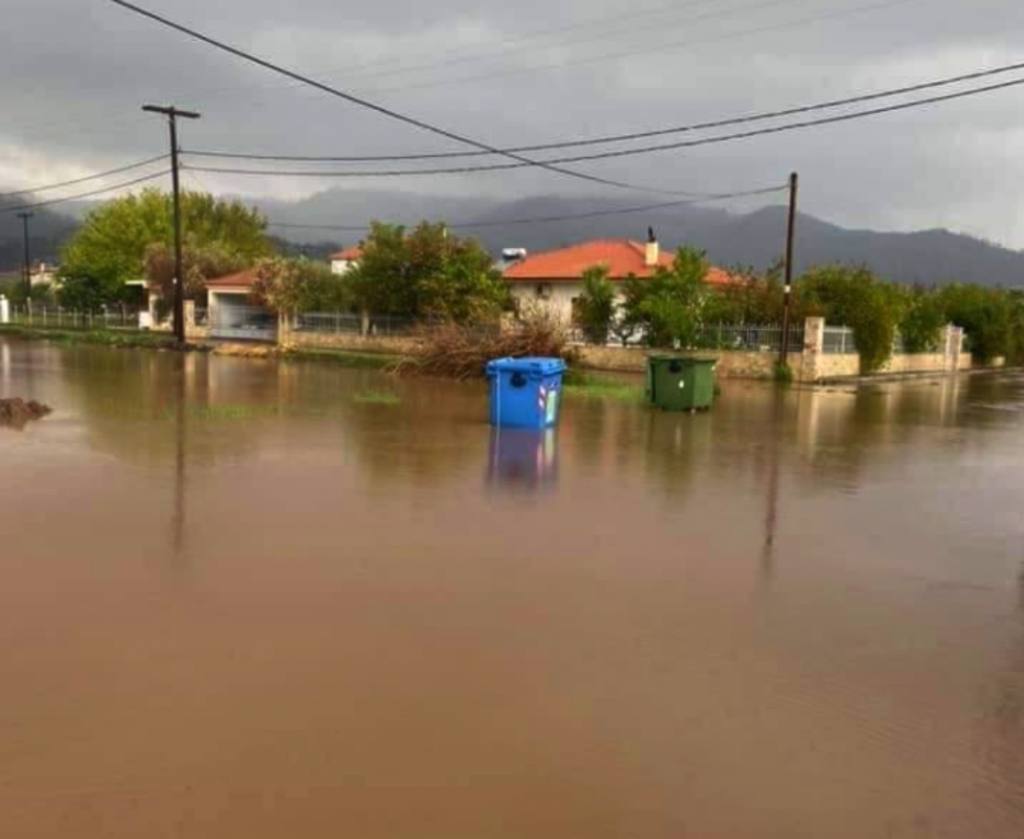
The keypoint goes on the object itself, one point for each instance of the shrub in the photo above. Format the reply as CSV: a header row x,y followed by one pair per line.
x,y
595,308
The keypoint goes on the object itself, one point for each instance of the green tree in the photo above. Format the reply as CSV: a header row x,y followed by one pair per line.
x,y
300,285
670,306
201,264
111,246
989,316
596,307
922,321
852,296
427,273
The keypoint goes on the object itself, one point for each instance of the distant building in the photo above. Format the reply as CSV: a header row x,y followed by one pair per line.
x,y
554,279
43,274
344,261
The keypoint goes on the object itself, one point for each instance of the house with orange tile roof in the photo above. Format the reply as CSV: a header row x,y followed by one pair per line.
x,y
554,279
233,314
345,260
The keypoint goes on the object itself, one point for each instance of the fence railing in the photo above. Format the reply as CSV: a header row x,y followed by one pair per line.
x,y
354,324
749,338
56,317
331,323
839,340
746,338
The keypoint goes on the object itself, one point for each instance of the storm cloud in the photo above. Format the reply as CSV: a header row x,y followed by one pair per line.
x,y
77,71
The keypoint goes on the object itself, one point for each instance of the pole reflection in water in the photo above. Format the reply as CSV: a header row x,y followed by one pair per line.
x,y
771,519
180,449
523,459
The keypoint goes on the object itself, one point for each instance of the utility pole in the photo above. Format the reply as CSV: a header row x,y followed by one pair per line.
x,y
173,114
794,188
28,255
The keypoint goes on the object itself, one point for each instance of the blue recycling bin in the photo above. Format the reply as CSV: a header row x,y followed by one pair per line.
x,y
525,392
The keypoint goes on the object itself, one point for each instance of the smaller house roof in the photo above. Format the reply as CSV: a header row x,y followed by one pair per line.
x,y
243,279
621,257
350,254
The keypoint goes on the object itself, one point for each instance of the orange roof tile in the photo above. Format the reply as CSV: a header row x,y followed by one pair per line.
x,y
241,279
350,254
622,257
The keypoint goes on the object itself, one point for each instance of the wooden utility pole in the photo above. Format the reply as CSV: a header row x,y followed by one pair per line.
x,y
28,255
172,115
794,188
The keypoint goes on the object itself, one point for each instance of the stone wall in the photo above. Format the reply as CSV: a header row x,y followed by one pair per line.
x,y
731,364
810,365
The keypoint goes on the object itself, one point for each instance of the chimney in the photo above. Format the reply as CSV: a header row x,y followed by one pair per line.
x,y
653,255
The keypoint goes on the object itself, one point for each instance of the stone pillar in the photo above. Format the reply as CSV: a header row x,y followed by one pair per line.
x,y
5,310
814,347
190,314
284,329
364,325
953,347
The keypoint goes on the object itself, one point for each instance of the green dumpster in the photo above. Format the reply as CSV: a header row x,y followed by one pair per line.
x,y
681,383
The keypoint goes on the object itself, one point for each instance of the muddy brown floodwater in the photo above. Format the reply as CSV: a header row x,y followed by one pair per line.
x,y
244,599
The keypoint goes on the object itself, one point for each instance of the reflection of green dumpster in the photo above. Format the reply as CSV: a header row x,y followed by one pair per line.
x,y
681,383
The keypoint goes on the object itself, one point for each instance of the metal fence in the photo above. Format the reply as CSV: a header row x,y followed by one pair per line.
x,y
354,324
332,323
243,323
57,317
839,340
749,338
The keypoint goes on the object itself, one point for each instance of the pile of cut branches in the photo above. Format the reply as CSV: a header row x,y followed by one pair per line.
x,y
17,412
461,352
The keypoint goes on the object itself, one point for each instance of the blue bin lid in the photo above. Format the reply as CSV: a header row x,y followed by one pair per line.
x,y
539,367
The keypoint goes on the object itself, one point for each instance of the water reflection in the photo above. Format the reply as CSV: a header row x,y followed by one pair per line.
x,y
362,605
523,460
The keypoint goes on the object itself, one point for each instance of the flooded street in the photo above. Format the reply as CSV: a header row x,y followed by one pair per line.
x,y
250,599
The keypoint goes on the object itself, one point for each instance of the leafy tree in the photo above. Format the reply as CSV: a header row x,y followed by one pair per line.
x,y
427,273
595,308
627,322
111,246
989,316
200,263
922,321
670,306
300,285
852,296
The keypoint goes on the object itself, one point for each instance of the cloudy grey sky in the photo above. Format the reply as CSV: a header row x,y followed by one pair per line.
x,y
77,71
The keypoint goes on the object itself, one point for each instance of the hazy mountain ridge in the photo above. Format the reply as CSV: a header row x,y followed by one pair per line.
x,y
756,238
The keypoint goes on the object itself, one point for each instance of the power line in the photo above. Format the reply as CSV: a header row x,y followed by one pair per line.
x,y
743,135
637,135
648,49
499,49
82,180
373,106
470,225
84,195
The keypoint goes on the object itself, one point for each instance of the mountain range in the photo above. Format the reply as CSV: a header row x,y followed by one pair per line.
x,y
754,239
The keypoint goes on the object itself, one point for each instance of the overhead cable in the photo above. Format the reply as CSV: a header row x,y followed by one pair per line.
x,y
95,177
377,108
636,135
498,167
82,196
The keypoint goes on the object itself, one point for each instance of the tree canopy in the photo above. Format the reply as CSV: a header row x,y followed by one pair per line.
x,y
112,245
427,273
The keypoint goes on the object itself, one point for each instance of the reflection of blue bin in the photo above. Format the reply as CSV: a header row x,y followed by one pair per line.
x,y
525,392
523,459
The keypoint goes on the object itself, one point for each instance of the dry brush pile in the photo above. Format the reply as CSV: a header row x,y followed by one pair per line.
x,y
17,412
461,352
